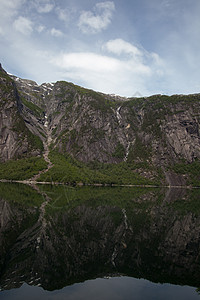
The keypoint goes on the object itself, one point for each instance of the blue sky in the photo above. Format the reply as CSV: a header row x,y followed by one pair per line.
x,y
122,47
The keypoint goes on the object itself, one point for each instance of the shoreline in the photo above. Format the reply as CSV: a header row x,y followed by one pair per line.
x,y
32,182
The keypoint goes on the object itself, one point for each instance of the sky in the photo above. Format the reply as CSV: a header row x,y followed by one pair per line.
x,y
123,47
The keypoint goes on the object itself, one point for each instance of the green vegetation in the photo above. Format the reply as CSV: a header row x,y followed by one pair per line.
x,y
119,151
157,107
65,92
139,150
22,169
159,102
34,141
98,101
71,171
7,92
33,107
191,170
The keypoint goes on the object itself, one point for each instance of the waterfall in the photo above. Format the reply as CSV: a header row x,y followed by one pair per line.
x,y
118,114
127,151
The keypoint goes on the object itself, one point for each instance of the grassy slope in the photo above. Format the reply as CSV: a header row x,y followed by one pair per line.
x,y
68,170
191,171
22,169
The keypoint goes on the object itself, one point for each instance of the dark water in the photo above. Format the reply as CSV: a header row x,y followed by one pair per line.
x,y
99,243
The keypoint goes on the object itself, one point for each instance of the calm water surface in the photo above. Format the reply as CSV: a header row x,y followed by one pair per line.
x,y
54,242
101,289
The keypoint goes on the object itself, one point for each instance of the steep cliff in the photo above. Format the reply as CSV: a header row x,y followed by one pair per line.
x,y
153,136
15,138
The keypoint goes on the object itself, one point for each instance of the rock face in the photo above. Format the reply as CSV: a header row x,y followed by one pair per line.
x,y
93,126
15,138
90,126
103,234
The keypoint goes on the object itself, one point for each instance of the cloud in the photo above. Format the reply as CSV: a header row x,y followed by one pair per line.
x,y
46,8
11,4
94,22
110,74
40,28
23,25
43,6
10,8
56,32
119,46
87,61
63,14
139,59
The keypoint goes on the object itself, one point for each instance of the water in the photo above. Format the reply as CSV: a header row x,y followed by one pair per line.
x,y
99,243
101,289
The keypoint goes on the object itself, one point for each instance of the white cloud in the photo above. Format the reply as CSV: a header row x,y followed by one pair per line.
x,y
43,6
11,4
105,73
56,32
87,61
40,28
139,59
119,46
63,14
23,25
113,72
46,8
93,22
9,8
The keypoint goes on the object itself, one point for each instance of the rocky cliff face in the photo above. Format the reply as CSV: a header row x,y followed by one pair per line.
x,y
15,138
159,130
93,126
146,234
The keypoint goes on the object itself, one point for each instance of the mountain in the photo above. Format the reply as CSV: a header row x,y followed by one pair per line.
x,y
153,138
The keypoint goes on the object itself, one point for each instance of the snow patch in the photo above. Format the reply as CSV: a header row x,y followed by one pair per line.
x,y
47,86
46,123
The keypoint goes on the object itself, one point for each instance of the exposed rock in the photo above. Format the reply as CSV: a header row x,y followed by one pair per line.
x,y
159,130
15,139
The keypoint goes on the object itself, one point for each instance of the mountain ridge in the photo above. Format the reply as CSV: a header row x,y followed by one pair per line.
x,y
150,135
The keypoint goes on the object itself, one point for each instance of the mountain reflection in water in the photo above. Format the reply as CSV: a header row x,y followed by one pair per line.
x,y
54,236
